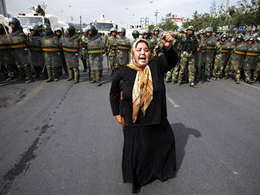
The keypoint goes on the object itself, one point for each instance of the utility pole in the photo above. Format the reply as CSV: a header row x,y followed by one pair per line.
x,y
156,15
227,6
227,15
80,23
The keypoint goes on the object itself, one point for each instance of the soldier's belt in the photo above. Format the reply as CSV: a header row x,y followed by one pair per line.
x,y
3,47
96,51
114,48
17,46
224,51
211,47
70,50
240,52
203,51
252,54
123,47
35,48
51,49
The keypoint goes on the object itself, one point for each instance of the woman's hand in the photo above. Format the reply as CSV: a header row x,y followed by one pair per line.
x,y
167,40
118,119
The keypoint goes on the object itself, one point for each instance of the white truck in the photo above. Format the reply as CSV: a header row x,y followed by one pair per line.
x,y
28,20
104,25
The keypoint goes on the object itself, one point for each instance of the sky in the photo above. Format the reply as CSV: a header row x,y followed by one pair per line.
x,y
123,12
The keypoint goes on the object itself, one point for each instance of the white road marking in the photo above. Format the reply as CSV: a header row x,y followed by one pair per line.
x,y
236,173
172,102
252,86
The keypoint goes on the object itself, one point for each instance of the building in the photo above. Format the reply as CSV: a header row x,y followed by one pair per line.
x,y
3,10
178,21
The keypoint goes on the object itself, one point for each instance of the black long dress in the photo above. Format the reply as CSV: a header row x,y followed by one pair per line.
x,y
149,143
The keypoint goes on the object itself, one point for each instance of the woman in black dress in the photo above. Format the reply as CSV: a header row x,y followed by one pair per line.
x,y
149,143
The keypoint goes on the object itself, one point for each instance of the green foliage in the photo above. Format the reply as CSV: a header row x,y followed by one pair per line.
x,y
167,23
245,13
151,27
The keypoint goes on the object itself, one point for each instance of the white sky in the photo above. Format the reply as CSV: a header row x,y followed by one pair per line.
x,y
123,12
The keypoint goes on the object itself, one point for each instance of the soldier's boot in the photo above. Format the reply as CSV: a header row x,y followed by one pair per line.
x,y
248,76
56,73
29,74
168,77
21,73
98,78
76,75
70,74
49,72
93,76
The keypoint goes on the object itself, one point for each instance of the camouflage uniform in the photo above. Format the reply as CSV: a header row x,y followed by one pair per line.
x,y
95,51
251,60
70,46
52,55
19,52
123,52
84,53
223,50
238,58
209,55
257,68
36,53
111,47
228,65
189,47
5,59
200,57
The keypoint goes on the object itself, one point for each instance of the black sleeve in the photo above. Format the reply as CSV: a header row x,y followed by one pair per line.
x,y
115,93
168,60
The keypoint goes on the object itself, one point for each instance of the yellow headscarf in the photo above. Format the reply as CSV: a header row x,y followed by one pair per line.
x,y
142,94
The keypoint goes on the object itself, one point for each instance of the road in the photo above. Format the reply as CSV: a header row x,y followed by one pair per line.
x,y
60,138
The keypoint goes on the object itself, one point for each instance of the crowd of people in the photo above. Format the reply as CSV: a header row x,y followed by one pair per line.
x,y
51,53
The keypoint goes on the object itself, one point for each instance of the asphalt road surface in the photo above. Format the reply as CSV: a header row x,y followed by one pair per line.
x,y
59,138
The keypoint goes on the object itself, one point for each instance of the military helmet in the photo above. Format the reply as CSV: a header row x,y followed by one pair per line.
x,y
121,30
113,30
251,38
92,28
257,38
46,26
190,28
201,32
230,35
156,29
34,27
148,32
14,21
71,29
224,35
135,34
209,30
240,36
57,29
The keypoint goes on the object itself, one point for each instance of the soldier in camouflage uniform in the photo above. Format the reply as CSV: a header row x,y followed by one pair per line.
x,y
257,68
123,50
210,43
238,56
95,51
200,55
223,50
17,42
111,47
5,59
251,59
189,47
173,74
135,35
155,39
52,56
35,50
70,45
59,34
84,47
228,65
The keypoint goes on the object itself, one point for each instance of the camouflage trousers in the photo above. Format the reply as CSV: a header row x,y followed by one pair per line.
x,y
187,62
172,75
200,64
256,72
236,64
247,72
112,61
220,62
208,63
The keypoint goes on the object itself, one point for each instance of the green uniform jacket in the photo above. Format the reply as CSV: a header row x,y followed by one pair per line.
x,y
36,56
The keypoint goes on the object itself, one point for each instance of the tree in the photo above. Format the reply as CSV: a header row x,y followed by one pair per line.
x,y
167,23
